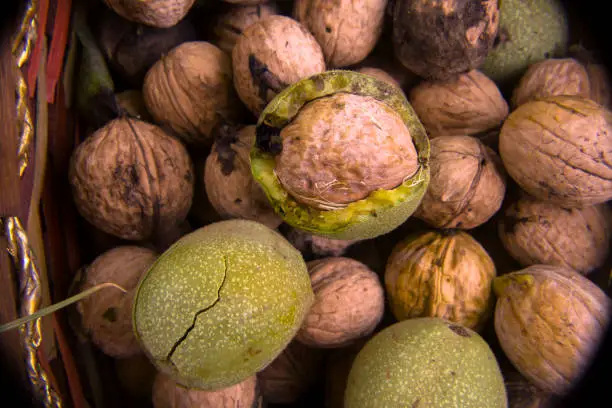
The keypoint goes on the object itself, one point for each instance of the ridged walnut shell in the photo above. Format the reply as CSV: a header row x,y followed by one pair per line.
x,y
537,232
549,321
131,179
559,149
156,13
441,274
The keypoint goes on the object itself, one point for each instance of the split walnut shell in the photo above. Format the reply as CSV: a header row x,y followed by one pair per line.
x,y
228,181
467,185
466,105
558,149
441,274
549,321
441,39
538,232
156,13
346,30
190,90
349,303
107,314
270,55
118,187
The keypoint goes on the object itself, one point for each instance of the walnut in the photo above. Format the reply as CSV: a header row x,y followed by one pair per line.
x,y
132,102
247,2
599,78
168,394
537,232
156,13
107,314
190,90
349,303
467,105
467,185
270,55
291,374
346,30
318,246
229,185
131,179
380,74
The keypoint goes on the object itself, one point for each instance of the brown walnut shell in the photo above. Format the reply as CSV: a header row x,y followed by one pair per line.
x,y
131,179
467,185
246,2
559,149
601,86
156,13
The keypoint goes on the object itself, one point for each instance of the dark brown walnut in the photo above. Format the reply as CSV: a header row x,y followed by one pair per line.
x,y
229,25
107,314
132,103
228,182
469,104
440,39
246,2
270,55
131,179
168,394
346,30
558,149
349,303
538,232
317,246
291,374
155,13
136,375
380,74
601,87
190,90
467,185
324,162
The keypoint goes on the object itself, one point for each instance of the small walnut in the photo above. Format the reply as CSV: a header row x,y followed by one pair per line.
x,y
270,55
346,30
131,179
349,303
537,232
156,13
380,74
190,90
168,394
467,105
228,181
107,314
132,102
467,185
317,246
136,375
291,374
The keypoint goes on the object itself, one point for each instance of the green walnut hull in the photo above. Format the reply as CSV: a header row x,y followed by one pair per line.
x,y
379,213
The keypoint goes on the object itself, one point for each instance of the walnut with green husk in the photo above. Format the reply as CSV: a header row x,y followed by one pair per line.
x,y
549,321
155,13
466,105
342,155
190,90
467,185
346,30
311,245
538,232
271,54
441,39
117,186
228,181
557,149
107,315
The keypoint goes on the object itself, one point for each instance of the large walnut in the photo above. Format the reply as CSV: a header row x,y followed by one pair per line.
x,y
467,185
466,105
156,13
346,30
131,179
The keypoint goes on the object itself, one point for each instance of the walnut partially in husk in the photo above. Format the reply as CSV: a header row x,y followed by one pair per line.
x,y
466,105
155,13
118,187
107,315
467,186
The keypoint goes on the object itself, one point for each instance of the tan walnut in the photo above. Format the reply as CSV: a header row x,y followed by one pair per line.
x,y
156,13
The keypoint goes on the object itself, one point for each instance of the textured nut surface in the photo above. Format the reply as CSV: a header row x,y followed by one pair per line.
x,y
349,303
563,76
107,314
380,74
318,246
156,13
466,105
131,179
228,181
599,78
190,90
467,186
270,55
549,321
434,274
346,29
168,394
537,232
342,147
559,149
